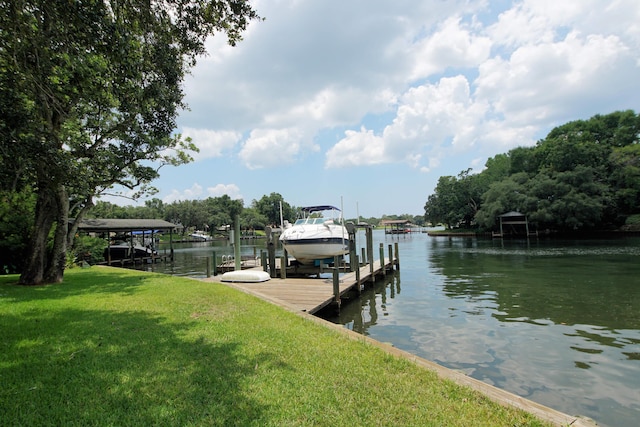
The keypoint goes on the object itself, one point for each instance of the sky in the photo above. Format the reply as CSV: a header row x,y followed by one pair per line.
x,y
364,104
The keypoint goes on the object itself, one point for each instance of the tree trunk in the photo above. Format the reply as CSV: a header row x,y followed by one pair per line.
x,y
58,261
33,273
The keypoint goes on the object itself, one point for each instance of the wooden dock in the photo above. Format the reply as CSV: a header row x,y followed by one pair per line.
x,y
311,294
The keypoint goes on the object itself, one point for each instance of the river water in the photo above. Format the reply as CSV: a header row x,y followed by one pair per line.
x,y
557,322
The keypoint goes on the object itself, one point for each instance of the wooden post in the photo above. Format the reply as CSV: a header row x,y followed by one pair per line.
x,y
263,260
369,234
358,281
390,256
336,282
208,266
236,244
397,257
283,266
215,263
364,256
272,258
384,272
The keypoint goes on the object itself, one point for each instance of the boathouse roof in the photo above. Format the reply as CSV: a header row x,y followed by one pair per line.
x,y
98,225
511,214
394,221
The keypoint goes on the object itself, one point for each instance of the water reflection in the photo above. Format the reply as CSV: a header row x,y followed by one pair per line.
x,y
364,312
556,322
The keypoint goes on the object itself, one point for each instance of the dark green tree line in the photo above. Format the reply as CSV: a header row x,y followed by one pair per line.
x,y
584,175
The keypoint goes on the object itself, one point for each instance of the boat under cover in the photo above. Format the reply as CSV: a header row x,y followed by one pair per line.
x,y
315,237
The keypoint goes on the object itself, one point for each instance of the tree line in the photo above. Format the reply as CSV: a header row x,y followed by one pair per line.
x,y
208,214
583,176
215,212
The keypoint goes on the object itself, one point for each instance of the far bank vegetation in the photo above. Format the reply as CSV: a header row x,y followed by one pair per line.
x,y
584,176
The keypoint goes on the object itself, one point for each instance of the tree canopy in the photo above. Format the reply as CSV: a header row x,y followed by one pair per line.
x,y
89,95
584,175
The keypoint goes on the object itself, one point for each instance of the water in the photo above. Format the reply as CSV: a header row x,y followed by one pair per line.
x,y
557,322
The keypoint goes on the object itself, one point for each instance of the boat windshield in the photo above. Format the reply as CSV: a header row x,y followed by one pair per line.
x,y
309,221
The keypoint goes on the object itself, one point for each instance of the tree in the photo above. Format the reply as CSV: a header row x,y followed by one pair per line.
x,y
269,206
90,94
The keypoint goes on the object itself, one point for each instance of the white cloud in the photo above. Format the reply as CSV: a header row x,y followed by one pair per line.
x,y
549,80
211,143
356,149
192,193
272,147
452,46
231,190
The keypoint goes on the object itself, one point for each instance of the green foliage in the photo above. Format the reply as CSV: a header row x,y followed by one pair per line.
x,y
16,213
583,175
90,92
269,207
88,249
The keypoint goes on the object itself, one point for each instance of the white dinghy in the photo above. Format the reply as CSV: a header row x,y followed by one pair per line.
x,y
245,276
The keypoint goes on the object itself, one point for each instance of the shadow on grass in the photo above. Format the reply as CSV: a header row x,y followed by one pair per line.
x,y
88,367
96,280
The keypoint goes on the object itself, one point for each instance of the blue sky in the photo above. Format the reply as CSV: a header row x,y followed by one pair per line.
x,y
368,102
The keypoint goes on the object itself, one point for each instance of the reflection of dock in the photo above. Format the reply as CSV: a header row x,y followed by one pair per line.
x,y
310,294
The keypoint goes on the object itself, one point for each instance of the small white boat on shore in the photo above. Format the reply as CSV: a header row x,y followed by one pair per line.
x,y
316,236
245,276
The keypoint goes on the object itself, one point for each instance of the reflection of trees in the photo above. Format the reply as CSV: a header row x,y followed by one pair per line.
x,y
572,284
362,312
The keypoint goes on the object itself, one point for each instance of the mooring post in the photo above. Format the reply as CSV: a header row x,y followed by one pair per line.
x,y
272,259
215,264
236,244
369,236
283,266
351,229
390,257
363,258
358,281
208,266
263,260
384,272
336,282
397,257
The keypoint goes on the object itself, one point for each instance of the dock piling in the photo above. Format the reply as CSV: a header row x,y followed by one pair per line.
x,y
358,280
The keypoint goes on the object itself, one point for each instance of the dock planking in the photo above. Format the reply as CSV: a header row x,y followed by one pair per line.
x,y
309,294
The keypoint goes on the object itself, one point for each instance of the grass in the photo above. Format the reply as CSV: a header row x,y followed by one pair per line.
x,y
119,347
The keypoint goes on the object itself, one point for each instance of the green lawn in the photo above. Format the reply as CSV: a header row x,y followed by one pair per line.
x,y
118,347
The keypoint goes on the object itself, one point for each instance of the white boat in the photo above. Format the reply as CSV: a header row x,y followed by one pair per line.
x,y
128,249
245,276
200,236
315,236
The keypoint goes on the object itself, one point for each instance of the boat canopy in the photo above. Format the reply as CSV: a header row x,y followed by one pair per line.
x,y
319,208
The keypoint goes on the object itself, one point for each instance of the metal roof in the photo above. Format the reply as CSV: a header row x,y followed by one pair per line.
x,y
511,214
126,225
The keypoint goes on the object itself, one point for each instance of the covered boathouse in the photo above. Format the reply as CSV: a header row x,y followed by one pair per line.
x,y
513,224
396,226
145,227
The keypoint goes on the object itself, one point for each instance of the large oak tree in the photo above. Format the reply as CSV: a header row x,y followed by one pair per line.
x,y
89,95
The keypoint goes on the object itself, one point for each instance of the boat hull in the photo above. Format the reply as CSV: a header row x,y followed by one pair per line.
x,y
308,250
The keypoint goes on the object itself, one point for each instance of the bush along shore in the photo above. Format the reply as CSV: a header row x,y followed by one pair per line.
x,y
120,347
